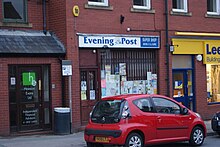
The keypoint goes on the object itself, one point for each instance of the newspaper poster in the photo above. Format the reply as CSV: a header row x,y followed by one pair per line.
x,y
122,69
112,85
139,87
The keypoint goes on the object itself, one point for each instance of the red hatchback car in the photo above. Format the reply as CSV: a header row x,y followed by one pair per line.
x,y
137,120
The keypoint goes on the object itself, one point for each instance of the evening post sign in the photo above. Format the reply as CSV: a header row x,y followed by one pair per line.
x,y
114,41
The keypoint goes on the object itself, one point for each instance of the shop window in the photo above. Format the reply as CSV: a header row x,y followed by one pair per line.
x,y
14,10
213,7
127,72
179,5
98,2
213,83
141,4
181,61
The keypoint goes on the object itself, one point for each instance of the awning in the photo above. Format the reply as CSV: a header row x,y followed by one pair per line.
x,y
29,43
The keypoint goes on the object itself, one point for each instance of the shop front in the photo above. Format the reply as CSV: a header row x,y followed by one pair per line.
x,y
116,64
196,71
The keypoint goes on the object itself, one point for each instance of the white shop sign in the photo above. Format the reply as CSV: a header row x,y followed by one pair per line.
x,y
101,41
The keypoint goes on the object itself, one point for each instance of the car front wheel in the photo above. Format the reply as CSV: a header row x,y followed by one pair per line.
x,y
197,136
134,140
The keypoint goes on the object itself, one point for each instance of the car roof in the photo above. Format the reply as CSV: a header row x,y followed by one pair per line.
x,y
131,96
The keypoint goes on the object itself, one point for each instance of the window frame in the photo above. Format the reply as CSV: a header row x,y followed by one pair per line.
x,y
166,105
217,9
25,14
185,8
144,101
147,7
103,3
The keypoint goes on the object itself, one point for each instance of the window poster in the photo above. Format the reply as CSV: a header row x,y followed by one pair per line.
x,y
83,85
103,92
122,68
154,83
107,69
102,74
83,95
112,85
149,75
13,81
92,95
139,87
126,87
178,84
123,78
103,83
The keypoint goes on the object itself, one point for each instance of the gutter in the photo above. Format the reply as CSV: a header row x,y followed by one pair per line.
x,y
167,48
44,17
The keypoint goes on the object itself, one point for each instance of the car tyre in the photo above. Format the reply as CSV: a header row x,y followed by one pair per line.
x,y
218,133
197,136
90,144
134,139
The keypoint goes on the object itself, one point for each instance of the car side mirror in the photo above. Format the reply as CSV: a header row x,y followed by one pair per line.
x,y
185,111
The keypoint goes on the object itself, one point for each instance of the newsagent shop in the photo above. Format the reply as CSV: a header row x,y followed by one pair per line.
x,y
121,64
196,71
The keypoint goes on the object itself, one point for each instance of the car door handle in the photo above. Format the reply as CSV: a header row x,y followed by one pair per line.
x,y
159,119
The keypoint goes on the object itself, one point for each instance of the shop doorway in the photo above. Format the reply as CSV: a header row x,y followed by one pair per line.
x,y
89,92
183,87
29,98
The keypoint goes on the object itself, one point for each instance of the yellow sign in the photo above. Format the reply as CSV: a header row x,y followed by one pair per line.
x,y
211,52
76,11
210,49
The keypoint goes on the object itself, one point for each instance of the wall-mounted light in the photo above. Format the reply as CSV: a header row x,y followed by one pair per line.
x,y
172,48
128,29
122,19
199,57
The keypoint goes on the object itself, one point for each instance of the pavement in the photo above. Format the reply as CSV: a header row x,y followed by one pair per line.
x,y
51,140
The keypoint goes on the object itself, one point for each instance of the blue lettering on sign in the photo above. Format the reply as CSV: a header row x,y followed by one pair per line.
x,y
150,42
111,42
214,50
99,41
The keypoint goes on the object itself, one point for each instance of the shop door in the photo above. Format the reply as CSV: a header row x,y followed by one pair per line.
x,y
89,92
30,98
183,87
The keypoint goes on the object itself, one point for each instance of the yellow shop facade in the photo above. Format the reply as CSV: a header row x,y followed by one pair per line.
x,y
196,71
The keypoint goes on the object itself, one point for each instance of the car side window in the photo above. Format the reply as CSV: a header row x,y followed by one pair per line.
x,y
143,104
163,105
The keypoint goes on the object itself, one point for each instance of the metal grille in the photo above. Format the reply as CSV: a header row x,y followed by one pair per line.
x,y
138,62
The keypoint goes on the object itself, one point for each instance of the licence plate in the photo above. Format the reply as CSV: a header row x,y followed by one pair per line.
x,y
219,123
102,139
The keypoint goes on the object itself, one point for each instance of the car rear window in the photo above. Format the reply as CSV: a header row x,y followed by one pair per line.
x,y
106,111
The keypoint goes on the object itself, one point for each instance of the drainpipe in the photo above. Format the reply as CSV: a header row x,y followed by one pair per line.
x,y
44,17
167,47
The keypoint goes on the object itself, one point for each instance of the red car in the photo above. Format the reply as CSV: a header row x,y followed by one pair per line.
x,y
138,120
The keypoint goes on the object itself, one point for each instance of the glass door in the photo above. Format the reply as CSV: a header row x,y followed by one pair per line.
x,y
183,87
30,98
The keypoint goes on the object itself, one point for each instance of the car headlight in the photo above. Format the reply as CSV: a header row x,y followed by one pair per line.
x,y
198,115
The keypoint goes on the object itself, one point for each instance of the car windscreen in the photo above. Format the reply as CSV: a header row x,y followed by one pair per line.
x,y
106,111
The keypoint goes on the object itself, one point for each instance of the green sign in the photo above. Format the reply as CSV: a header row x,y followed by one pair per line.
x,y
29,78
